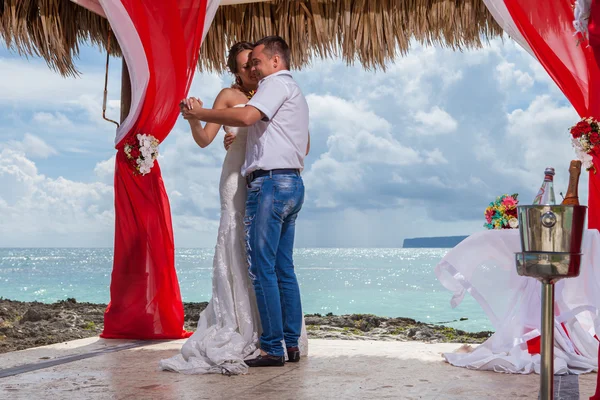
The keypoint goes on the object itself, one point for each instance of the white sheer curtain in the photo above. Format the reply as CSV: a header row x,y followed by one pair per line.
x,y
500,13
483,266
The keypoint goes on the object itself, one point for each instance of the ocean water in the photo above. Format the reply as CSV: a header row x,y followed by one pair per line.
x,y
385,282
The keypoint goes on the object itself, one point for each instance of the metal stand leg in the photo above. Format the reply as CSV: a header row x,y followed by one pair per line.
x,y
547,366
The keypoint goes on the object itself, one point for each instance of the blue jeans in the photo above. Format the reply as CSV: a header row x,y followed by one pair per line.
x,y
272,206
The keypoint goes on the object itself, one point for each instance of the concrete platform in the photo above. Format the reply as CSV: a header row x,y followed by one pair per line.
x,y
100,369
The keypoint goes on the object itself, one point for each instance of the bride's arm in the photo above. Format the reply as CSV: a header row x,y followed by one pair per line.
x,y
203,136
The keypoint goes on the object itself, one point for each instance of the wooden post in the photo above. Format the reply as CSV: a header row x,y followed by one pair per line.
x,y
125,91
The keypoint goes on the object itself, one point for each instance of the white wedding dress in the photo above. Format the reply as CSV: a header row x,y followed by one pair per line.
x,y
229,327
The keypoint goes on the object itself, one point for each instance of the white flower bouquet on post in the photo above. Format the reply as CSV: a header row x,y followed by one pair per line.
x,y
141,150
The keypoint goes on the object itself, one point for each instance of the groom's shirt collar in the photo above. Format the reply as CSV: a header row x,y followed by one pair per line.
x,y
278,73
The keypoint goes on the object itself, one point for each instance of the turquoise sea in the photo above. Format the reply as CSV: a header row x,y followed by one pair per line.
x,y
385,282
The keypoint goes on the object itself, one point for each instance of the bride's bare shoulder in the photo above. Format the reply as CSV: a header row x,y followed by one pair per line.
x,y
228,91
232,96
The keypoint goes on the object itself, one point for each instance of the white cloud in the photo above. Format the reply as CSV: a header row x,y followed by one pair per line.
x,y
34,147
56,119
508,75
357,133
77,150
105,170
368,148
398,179
436,121
207,86
328,178
542,132
534,138
435,157
33,205
341,115
92,105
436,181
193,172
18,176
32,84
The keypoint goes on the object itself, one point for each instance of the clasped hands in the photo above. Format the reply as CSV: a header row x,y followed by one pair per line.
x,y
191,109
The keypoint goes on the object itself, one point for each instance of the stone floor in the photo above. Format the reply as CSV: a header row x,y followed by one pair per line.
x,y
98,369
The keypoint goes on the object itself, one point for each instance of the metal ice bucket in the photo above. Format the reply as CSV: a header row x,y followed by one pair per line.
x,y
551,238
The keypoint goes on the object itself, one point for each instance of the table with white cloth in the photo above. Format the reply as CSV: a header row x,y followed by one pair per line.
x,y
483,265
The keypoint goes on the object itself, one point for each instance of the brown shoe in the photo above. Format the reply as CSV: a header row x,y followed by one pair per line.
x,y
266,361
293,354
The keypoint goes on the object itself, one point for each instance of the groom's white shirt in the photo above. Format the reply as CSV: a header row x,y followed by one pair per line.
x,y
280,139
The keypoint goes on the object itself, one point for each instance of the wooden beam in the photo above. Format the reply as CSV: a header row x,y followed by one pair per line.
x,y
125,91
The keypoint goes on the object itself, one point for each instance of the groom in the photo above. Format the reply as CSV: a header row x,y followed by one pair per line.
x,y
277,117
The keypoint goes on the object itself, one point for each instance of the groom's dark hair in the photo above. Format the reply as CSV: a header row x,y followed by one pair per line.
x,y
276,45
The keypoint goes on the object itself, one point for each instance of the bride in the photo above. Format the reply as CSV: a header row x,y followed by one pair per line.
x,y
229,327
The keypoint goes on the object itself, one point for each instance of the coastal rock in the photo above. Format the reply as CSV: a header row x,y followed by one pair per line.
x,y
401,321
366,322
341,322
424,334
35,314
68,303
379,331
314,320
477,335
8,312
192,314
24,325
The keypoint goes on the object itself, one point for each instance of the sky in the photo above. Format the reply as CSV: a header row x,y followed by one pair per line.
x,y
417,150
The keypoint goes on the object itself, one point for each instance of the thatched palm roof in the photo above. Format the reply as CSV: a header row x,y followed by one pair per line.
x,y
368,31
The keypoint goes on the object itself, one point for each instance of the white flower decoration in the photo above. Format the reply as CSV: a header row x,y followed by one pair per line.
x,y
581,13
581,148
148,146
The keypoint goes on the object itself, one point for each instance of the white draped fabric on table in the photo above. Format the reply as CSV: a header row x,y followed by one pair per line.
x,y
483,265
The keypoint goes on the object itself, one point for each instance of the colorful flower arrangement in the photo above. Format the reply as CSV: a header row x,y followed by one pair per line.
x,y
502,213
141,150
585,137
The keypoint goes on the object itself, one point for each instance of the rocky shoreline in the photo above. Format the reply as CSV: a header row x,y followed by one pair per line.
x,y
30,324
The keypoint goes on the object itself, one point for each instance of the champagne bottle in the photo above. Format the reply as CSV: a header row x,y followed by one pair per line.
x,y
572,199
545,195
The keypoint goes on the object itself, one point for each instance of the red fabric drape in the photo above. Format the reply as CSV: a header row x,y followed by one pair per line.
x,y
548,29
594,182
594,186
145,296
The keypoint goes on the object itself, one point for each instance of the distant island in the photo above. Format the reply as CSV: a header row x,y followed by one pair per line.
x,y
433,242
